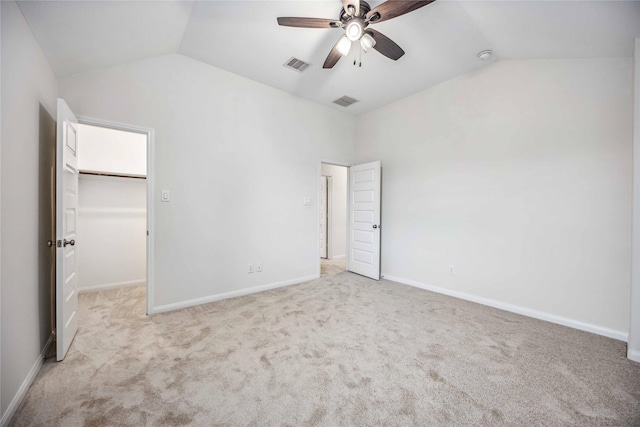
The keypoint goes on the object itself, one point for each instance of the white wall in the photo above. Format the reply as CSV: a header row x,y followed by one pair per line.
x,y
27,83
633,350
338,208
237,156
112,227
102,149
519,174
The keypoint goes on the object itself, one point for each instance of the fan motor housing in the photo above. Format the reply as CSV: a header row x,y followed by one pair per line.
x,y
364,9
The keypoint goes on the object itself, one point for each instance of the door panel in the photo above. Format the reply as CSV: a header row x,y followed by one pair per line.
x,y
323,216
66,232
364,219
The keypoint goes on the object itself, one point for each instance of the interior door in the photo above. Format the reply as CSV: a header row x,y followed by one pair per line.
x,y
364,219
323,216
66,231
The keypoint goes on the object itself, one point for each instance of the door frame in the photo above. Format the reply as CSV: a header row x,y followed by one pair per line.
x,y
149,133
327,213
329,223
330,227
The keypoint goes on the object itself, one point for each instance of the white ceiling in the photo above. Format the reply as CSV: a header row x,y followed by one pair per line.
x,y
441,40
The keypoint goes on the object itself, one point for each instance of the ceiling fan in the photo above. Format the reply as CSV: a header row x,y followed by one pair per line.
x,y
355,18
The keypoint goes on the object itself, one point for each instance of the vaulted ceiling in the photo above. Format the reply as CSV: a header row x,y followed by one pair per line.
x,y
441,40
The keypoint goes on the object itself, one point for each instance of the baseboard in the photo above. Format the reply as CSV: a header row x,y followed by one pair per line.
x,y
24,388
114,285
633,355
576,324
338,256
232,294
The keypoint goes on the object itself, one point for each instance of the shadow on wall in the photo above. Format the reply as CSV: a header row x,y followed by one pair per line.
x,y
46,224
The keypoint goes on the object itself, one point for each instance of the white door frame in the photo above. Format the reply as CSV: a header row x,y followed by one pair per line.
x,y
319,176
149,133
329,224
324,196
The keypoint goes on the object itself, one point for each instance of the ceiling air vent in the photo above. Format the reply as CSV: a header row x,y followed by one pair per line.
x,y
345,101
296,64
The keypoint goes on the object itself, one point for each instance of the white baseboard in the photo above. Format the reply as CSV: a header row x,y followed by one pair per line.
x,y
633,355
24,388
114,285
232,294
338,256
576,324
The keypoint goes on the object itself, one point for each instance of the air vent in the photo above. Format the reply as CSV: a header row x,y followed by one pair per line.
x,y
296,64
345,101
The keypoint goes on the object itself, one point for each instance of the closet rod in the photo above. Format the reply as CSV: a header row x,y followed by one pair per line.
x,y
117,175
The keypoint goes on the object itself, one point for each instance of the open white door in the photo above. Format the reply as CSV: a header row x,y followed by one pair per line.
x,y
323,216
66,221
364,219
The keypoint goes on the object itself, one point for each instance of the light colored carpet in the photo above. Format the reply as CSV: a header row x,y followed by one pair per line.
x,y
332,267
340,350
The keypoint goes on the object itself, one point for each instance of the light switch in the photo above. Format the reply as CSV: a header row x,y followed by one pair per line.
x,y
164,196
306,201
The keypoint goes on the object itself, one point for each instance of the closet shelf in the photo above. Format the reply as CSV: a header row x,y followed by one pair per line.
x,y
115,174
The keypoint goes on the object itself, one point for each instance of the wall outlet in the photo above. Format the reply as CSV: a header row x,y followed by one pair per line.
x,y
452,269
250,268
258,268
165,196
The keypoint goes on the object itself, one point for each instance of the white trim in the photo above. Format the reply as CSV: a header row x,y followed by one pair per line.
x,y
633,355
1,414
339,256
576,324
150,133
634,300
329,217
24,388
232,294
113,285
326,220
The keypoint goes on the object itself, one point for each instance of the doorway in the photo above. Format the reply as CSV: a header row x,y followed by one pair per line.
x,y
108,153
333,218
112,208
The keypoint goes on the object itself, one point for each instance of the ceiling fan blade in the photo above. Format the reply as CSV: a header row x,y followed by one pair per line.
x,y
354,3
333,57
385,45
393,8
309,22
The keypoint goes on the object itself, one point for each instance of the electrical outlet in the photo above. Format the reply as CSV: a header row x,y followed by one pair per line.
x,y
250,268
258,268
452,269
165,196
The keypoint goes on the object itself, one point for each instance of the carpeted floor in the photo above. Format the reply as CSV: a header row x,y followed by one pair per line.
x,y
332,267
340,350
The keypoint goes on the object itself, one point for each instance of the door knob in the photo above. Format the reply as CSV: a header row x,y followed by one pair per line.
x,y
50,243
375,226
69,242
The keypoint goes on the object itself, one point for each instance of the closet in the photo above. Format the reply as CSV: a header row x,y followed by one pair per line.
x,y
112,199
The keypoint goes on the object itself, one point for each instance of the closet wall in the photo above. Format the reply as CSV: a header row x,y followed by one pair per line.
x,y
112,209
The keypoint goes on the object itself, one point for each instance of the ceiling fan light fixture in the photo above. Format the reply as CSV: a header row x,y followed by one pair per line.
x,y
354,29
367,42
343,45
